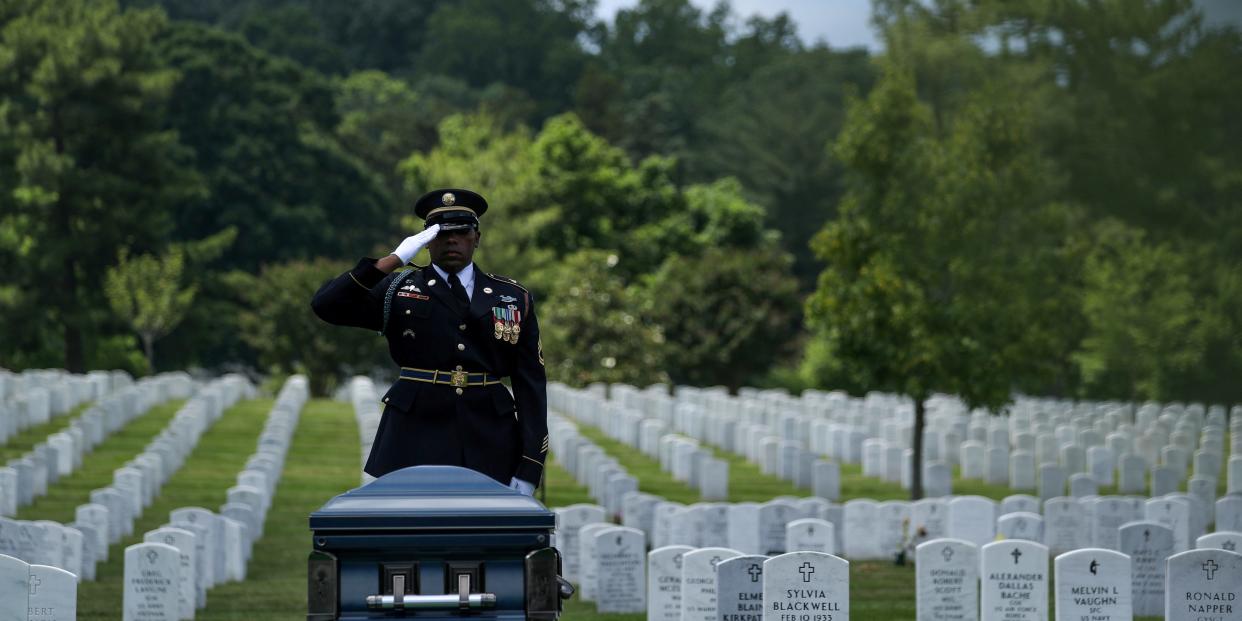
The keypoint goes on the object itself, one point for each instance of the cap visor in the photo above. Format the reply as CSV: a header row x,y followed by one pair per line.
x,y
456,226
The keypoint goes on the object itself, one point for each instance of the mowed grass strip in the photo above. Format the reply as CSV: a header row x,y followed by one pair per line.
x,y
561,489
209,470
651,478
21,442
323,461
64,496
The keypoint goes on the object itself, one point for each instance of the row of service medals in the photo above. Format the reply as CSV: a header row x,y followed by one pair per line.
x,y
505,321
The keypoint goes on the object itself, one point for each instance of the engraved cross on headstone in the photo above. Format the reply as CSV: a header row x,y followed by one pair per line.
x,y
1210,568
807,571
35,581
1015,554
755,572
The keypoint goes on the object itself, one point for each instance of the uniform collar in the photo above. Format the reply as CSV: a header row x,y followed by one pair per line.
x,y
466,276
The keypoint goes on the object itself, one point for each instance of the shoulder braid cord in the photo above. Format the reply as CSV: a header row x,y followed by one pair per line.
x,y
392,288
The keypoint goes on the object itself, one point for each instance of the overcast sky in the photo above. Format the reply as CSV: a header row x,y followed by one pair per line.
x,y
842,23
846,23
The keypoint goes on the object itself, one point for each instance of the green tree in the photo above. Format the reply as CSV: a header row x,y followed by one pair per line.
x,y
775,145
592,329
278,324
152,294
726,316
531,45
929,266
262,132
147,293
82,103
1150,329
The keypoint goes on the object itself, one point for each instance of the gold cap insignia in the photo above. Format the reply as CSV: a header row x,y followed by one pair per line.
x,y
448,198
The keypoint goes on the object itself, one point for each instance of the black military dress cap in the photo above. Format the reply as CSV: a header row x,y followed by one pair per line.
x,y
451,208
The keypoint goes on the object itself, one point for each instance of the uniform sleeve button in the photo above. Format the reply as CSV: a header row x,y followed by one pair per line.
x,y
385,399
461,327
461,347
407,311
459,391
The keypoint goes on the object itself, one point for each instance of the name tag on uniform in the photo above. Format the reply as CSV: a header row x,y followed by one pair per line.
x,y
416,296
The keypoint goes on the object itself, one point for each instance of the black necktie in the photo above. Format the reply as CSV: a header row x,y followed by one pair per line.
x,y
459,291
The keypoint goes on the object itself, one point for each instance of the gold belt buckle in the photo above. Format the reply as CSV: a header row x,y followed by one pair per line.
x,y
457,378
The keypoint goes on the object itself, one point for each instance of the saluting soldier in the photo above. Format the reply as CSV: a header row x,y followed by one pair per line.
x,y
455,331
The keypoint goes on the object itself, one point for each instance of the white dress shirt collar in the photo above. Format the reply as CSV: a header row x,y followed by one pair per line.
x,y
466,276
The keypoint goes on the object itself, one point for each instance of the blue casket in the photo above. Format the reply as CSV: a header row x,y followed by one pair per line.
x,y
434,543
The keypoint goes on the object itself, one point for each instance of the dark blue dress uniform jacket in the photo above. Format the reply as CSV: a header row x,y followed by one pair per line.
x,y
483,428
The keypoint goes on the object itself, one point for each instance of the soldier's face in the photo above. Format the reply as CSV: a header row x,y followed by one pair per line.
x,y
453,250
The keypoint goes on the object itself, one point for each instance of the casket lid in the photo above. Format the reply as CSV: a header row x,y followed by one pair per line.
x,y
432,497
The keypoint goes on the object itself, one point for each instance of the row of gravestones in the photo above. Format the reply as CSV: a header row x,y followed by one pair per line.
x,y
1085,447
35,396
78,547
874,530
360,393
27,477
168,576
955,580
775,431
805,468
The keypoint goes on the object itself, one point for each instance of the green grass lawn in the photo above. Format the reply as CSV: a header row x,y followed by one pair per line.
x,y
323,461
64,496
879,591
21,442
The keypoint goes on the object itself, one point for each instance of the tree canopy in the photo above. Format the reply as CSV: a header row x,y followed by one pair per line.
x,y
1009,196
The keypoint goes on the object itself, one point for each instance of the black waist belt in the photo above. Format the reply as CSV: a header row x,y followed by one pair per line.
x,y
449,378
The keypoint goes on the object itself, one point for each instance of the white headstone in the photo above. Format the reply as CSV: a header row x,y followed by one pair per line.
x,y
1065,525
947,580
1204,585
806,585
973,519
739,588
152,576
184,541
810,535
14,588
568,521
1220,540
1149,545
860,535
664,583
1021,525
1174,513
698,582
53,594
621,580
589,568
1093,583
1014,581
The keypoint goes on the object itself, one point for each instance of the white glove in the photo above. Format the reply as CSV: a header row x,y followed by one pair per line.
x,y
522,487
414,243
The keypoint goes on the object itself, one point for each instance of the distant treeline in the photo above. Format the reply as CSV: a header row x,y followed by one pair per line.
x,y
1016,196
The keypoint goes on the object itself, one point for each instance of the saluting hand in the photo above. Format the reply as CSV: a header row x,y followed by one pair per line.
x,y
414,243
